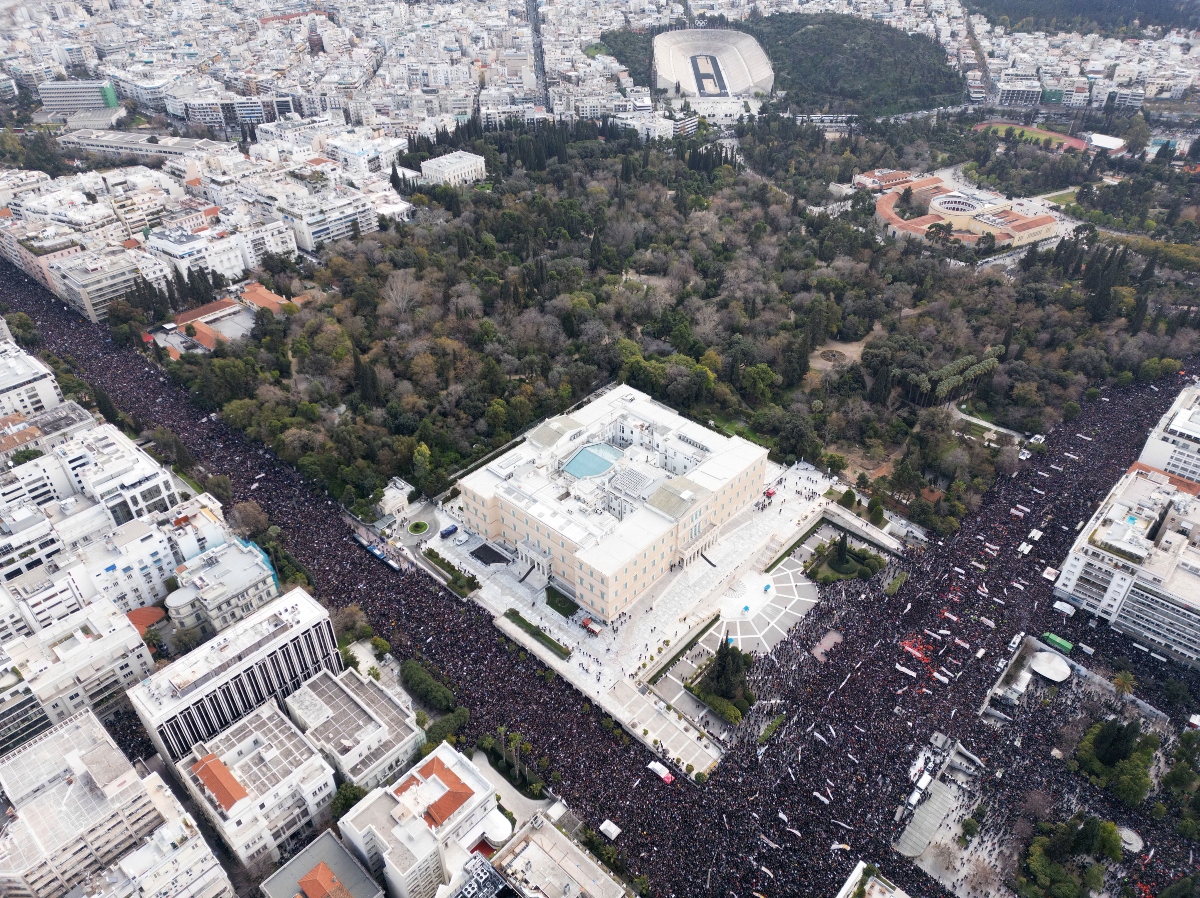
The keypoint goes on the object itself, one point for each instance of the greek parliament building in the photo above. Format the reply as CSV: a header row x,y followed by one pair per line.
x,y
267,655
1136,563
609,499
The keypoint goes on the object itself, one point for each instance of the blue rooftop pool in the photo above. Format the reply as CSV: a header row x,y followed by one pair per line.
x,y
592,460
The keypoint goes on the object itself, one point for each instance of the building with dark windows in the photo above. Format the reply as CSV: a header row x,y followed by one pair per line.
x,y
267,655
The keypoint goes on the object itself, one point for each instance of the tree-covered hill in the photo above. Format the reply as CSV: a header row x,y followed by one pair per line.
x,y
846,64
829,62
1113,17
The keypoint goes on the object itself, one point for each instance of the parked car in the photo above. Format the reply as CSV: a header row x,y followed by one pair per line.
x,y
449,531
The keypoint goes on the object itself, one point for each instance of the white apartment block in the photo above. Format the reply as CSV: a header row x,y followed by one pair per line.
x,y
1174,443
1136,563
260,784
92,280
265,656
454,169
143,146
419,831
364,731
174,861
77,94
540,860
78,806
84,558
208,250
608,500
266,237
27,386
79,662
331,216
43,431
362,156
221,587
101,467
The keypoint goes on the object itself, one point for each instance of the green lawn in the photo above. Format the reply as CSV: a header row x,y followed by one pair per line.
x,y
544,638
417,527
1062,199
560,603
462,583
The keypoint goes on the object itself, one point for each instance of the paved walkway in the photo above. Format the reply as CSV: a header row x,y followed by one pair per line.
x,y
522,808
611,667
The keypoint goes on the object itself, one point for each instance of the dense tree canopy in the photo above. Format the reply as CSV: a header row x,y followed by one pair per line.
x,y
592,257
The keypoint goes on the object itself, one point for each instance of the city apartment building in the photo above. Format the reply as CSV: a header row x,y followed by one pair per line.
x,y
144,146
540,860
34,246
207,250
331,216
362,156
91,280
418,831
84,558
267,655
1174,443
174,861
454,169
79,662
1136,563
221,587
608,500
78,95
261,785
324,868
43,430
265,237
27,386
364,731
78,806
1019,91
102,466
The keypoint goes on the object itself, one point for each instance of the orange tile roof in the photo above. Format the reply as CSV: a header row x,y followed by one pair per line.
x,y
1030,223
219,780
1184,486
321,882
6,212
205,335
256,294
202,311
131,243
457,794
405,786
145,618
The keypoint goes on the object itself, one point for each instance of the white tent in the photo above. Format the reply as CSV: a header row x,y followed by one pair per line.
x,y
610,829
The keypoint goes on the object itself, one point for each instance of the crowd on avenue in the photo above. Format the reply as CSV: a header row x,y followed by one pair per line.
x,y
794,815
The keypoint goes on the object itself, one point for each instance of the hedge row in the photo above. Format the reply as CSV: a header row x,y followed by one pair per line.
x,y
421,683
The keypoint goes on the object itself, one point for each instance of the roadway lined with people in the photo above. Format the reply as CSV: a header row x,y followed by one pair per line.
x,y
772,819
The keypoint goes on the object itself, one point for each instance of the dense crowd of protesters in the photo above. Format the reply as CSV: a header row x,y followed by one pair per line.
x,y
793,816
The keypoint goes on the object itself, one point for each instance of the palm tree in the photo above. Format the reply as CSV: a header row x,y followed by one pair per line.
x,y
527,750
514,743
1124,683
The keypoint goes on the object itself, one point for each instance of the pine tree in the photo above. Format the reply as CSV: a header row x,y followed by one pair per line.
x,y
596,250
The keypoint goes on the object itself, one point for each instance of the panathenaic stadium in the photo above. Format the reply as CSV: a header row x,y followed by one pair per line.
x,y
702,62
